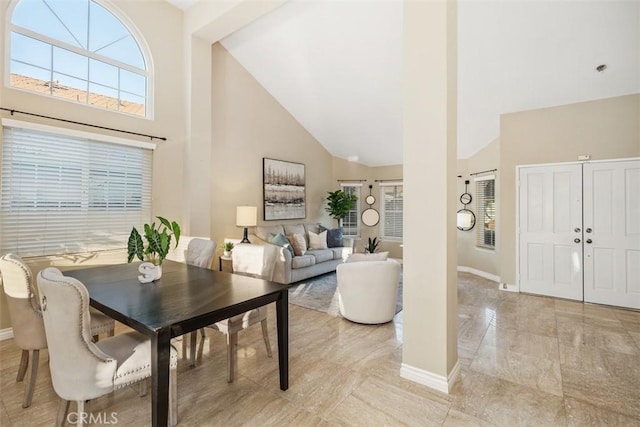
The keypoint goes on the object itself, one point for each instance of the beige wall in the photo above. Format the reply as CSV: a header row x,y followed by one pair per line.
x,y
345,170
604,129
248,124
161,25
469,255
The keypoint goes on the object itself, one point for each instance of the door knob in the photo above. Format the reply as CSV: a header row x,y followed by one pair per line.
x,y
576,240
588,230
577,230
589,241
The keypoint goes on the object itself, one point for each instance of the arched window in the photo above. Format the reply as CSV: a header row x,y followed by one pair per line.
x,y
79,51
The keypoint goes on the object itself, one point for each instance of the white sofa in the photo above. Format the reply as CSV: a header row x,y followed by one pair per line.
x,y
276,263
368,290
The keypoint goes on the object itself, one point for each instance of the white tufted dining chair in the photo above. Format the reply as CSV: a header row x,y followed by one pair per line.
x,y
231,327
26,319
199,253
82,370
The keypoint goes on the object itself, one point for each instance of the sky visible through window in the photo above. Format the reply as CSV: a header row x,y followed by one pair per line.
x,y
57,34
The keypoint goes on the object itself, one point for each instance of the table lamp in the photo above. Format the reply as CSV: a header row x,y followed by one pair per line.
x,y
246,216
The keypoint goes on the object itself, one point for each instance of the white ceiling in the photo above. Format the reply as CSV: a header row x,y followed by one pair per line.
x,y
336,66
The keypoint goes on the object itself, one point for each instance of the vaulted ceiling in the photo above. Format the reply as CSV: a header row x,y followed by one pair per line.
x,y
336,66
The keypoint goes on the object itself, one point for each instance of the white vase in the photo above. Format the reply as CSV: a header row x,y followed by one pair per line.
x,y
149,272
226,254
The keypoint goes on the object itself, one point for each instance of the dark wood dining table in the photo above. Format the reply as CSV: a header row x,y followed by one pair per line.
x,y
184,299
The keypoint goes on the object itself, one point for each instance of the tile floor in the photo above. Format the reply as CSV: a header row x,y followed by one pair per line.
x,y
525,360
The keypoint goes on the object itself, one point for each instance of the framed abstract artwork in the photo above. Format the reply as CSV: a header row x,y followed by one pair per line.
x,y
283,190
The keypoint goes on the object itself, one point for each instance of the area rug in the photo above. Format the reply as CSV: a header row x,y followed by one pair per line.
x,y
320,293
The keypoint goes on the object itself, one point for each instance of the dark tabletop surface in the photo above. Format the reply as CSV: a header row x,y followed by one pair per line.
x,y
183,292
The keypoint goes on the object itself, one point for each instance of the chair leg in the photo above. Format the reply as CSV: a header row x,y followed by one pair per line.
x,y
265,335
24,363
28,393
202,333
232,355
63,410
82,413
173,396
142,388
192,348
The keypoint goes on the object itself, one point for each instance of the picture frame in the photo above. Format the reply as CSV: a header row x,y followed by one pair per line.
x,y
284,190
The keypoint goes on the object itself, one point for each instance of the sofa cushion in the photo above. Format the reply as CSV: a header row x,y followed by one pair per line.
x,y
321,255
314,228
263,231
378,256
303,261
318,240
280,240
291,229
334,237
299,244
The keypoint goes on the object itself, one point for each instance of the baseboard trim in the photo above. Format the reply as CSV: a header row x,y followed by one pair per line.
x,y
507,287
6,334
480,273
429,379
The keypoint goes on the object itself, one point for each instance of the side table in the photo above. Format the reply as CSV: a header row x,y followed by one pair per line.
x,y
224,258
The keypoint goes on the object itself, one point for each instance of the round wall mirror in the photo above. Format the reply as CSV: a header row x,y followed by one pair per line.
x,y
370,217
465,198
370,199
466,219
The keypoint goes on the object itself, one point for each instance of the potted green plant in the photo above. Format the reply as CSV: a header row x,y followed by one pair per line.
x,y
158,238
228,247
339,204
372,245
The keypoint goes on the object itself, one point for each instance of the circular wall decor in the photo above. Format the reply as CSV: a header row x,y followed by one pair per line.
x,y
465,198
370,199
370,217
466,219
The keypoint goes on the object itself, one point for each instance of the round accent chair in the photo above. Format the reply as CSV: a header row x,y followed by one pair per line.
x,y
368,290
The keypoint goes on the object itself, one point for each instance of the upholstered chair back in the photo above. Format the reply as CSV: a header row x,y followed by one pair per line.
x,y
200,252
24,308
79,369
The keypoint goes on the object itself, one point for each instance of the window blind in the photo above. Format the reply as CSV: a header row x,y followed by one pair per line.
x,y
65,194
392,210
350,222
486,212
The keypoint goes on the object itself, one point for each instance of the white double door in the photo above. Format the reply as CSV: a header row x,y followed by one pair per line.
x,y
579,231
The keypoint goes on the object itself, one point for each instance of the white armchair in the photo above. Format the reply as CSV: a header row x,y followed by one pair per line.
x,y
368,290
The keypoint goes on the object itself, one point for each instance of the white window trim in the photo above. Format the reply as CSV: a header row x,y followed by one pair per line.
x,y
485,248
76,133
118,13
383,213
358,209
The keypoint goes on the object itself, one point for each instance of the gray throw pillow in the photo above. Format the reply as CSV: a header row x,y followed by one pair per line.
x,y
334,237
280,240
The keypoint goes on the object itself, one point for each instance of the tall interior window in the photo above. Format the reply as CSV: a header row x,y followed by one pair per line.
x,y
486,212
79,51
350,225
68,192
392,208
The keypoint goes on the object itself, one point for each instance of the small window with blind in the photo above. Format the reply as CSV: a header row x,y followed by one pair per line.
x,y
392,208
486,212
70,192
350,225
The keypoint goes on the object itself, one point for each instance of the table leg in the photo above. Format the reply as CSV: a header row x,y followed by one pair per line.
x,y
160,356
282,319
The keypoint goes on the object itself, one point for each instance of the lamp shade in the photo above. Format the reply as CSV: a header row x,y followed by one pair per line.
x,y
246,216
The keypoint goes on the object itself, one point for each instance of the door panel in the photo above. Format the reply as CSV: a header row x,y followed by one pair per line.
x,y
612,233
550,207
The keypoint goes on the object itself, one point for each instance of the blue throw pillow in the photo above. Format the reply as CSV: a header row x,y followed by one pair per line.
x,y
280,240
334,237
